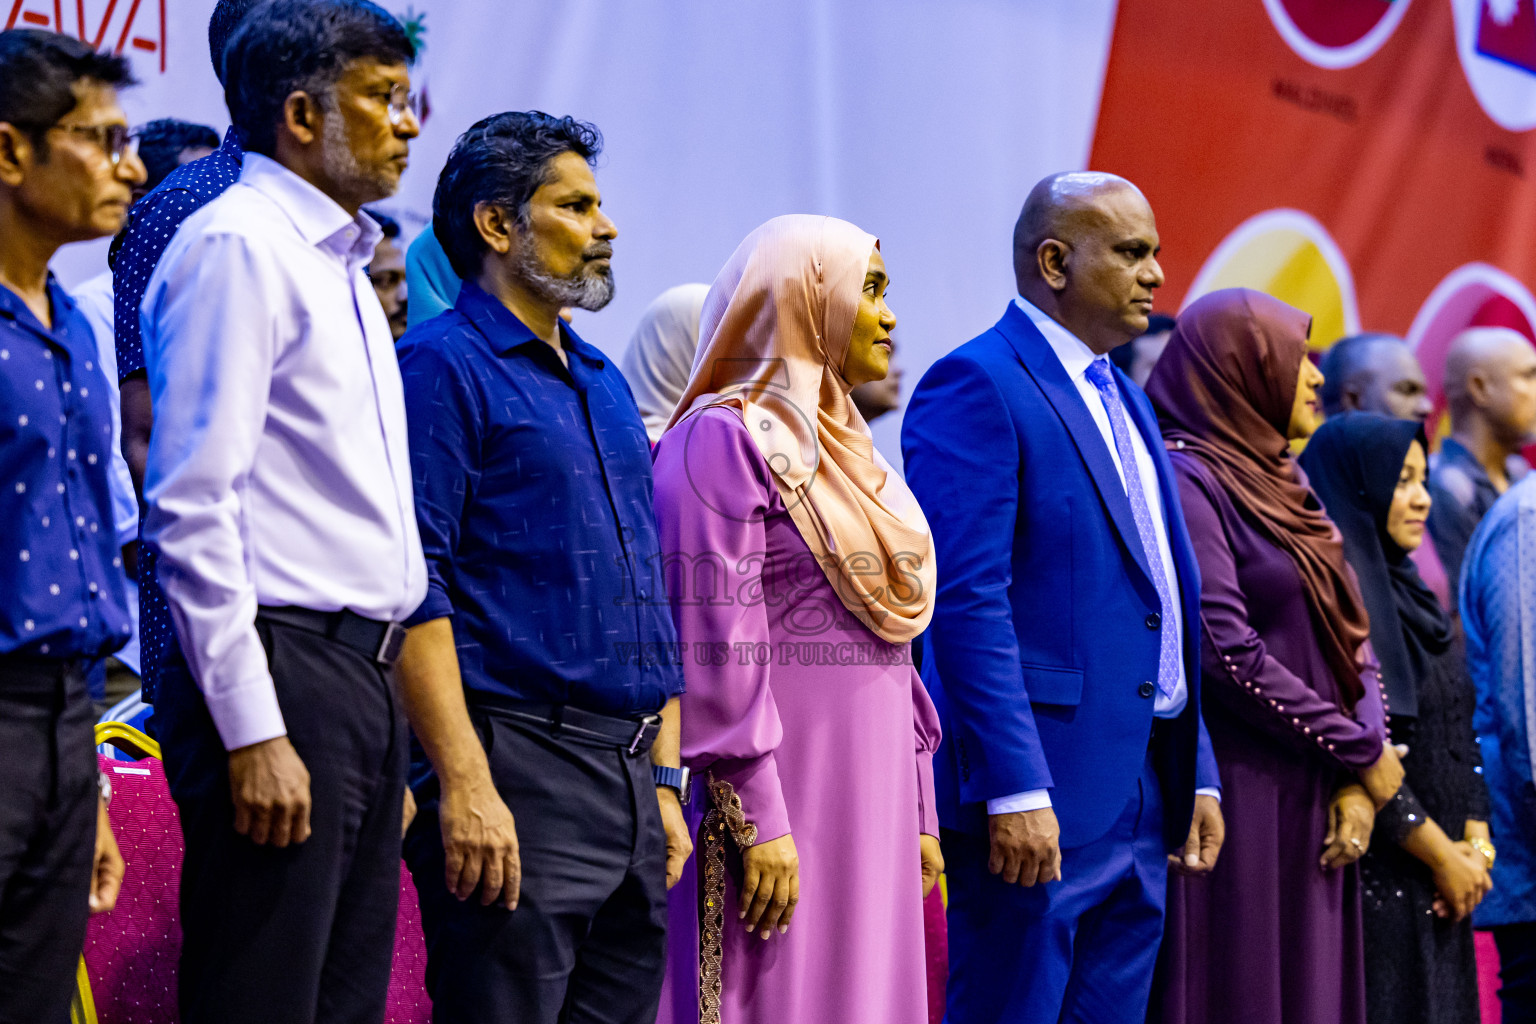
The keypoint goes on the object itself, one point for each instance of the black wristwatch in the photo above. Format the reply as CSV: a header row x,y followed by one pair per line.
x,y
680,779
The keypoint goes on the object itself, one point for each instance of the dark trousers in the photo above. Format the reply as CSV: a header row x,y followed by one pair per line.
x,y
47,837
303,934
587,942
1517,970
1079,950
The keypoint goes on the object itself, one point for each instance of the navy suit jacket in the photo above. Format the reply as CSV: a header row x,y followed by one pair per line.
x,y
1043,643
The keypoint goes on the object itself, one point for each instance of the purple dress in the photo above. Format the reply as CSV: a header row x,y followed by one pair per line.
x,y
822,728
1269,937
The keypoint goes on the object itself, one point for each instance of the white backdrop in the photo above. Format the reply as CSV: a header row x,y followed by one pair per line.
x,y
923,121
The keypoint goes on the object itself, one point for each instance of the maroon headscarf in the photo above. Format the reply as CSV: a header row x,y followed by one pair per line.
x,y
1223,390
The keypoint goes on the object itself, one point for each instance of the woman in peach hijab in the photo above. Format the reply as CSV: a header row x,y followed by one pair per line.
x,y
800,568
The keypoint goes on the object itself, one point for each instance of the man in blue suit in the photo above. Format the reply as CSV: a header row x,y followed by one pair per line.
x,y
1064,654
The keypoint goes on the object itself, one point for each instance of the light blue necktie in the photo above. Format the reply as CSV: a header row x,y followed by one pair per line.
x,y
1100,376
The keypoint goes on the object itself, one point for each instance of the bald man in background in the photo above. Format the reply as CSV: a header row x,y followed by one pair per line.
x,y
1490,387
1064,654
1374,373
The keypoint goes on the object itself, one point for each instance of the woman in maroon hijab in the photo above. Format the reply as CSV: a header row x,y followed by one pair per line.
x,y
1273,935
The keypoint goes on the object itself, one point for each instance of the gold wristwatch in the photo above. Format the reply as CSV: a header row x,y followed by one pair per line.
x,y
1483,847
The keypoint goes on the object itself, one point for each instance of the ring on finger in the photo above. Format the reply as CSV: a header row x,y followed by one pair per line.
x,y
1356,844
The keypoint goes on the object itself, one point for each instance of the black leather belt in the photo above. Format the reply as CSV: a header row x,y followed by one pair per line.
x,y
378,641
632,735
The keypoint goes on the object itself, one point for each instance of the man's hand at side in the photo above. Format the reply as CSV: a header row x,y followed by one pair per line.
x,y
479,842
666,753
407,811
679,842
1207,831
107,878
1026,846
270,787
479,835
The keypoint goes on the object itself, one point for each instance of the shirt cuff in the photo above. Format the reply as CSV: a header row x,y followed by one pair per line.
x,y
1214,791
1034,800
435,605
927,802
246,716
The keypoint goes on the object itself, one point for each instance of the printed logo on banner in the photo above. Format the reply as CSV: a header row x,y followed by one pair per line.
x,y
1335,33
105,24
1506,31
1496,41
1290,255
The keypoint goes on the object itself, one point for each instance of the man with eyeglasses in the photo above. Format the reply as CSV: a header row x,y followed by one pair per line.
x,y
67,172
278,486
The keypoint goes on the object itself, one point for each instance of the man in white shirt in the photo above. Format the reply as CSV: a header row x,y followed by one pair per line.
x,y
279,498
1064,653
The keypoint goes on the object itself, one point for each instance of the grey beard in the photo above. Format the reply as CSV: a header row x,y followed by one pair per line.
x,y
588,288
342,168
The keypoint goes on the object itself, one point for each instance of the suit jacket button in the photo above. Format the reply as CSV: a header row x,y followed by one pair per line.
x,y
1154,621
1146,689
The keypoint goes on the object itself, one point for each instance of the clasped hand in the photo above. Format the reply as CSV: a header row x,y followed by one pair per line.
x,y
1461,881
1351,815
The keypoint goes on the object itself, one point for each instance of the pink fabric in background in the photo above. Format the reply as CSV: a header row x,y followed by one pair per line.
x,y
1488,977
408,1000
936,942
131,953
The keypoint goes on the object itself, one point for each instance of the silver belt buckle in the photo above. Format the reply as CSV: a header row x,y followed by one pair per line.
x,y
389,647
645,723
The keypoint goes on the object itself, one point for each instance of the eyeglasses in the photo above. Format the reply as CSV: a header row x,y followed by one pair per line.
x,y
400,100
115,140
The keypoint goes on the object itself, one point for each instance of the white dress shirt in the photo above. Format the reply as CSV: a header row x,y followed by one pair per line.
x,y
278,472
1075,356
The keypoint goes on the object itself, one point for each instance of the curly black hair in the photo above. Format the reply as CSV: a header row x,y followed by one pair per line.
x,y
501,159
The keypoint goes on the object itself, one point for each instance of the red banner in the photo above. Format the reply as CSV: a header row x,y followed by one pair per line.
x,y
1367,160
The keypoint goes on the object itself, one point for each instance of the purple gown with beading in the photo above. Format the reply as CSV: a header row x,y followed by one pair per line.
x,y
1269,937
822,728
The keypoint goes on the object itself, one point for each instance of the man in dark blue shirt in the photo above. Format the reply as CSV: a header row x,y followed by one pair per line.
x,y
154,221
540,669
67,170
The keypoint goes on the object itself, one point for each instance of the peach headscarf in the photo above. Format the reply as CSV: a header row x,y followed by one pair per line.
x,y
775,330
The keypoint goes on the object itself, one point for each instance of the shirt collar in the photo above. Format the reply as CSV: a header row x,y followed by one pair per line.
x,y
1073,353
506,332
1452,450
231,147
319,219
63,306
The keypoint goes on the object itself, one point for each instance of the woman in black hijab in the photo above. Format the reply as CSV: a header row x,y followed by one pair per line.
x,y
1427,866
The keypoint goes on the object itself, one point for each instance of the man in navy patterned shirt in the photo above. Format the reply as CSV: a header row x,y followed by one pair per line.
x,y
529,675
155,219
67,170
